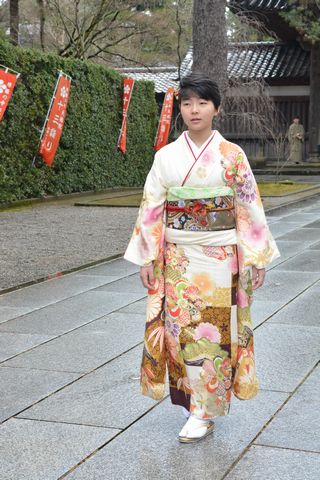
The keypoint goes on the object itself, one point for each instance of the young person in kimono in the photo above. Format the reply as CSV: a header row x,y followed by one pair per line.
x,y
202,242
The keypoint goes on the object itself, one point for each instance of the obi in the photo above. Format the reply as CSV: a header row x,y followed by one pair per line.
x,y
208,214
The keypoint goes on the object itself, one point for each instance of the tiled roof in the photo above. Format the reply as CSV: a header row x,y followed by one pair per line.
x,y
162,77
261,5
268,60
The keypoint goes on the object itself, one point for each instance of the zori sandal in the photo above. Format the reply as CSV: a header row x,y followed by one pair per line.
x,y
195,429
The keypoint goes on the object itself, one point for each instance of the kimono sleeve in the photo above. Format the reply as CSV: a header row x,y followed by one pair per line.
x,y
148,232
256,244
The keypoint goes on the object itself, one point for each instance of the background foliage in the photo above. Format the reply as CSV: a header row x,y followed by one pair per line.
x,y
111,32
87,158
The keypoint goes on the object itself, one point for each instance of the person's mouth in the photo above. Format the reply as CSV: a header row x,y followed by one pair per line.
x,y
195,120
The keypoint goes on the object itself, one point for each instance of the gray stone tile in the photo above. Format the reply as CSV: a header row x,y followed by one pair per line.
x,y
20,388
315,224
285,354
280,228
149,448
66,315
304,262
301,217
86,348
128,284
137,307
120,268
307,235
303,310
297,425
52,291
13,343
271,219
283,211
95,398
34,450
315,209
7,313
287,250
261,310
284,286
265,463
315,246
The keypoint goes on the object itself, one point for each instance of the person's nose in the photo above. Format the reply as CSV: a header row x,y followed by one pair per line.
x,y
194,107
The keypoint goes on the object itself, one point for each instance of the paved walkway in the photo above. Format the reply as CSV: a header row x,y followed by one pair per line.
x,y
70,351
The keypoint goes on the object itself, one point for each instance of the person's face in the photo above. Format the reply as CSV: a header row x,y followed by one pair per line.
x,y
296,120
197,113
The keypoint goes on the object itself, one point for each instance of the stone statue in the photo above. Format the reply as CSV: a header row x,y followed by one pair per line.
x,y
296,139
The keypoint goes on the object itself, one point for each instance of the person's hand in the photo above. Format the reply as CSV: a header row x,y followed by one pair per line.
x,y
258,275
146,276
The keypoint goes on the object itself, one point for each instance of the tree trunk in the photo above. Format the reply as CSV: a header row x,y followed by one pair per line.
x,y
210,40
42,21
14,22
314,108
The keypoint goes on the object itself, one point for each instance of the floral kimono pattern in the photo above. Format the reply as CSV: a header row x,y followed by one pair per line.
x,y
198,322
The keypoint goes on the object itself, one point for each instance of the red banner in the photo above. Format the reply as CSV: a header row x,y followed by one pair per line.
x,y
165,120
7,84
127,92
56,117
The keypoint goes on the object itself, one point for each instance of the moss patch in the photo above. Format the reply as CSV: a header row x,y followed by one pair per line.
x,y
132,200
270,189
267,189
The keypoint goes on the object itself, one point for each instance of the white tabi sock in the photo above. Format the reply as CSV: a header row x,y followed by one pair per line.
x,y
194,428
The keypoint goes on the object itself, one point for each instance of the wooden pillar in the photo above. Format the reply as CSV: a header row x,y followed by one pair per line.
x,y
314,108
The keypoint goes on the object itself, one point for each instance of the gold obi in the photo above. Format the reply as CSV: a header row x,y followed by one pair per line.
x,y
208,214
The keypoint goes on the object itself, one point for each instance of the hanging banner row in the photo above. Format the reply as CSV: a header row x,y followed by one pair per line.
x,y
54,122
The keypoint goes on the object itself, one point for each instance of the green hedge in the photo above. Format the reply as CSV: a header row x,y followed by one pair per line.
x,y
87,157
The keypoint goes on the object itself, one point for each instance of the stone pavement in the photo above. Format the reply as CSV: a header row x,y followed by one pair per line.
x,y
70,352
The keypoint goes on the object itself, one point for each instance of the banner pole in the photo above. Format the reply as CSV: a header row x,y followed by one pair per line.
x,y
47,116
125,111
7,69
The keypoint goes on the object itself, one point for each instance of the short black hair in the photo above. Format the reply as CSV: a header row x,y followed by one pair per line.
x,y
202,85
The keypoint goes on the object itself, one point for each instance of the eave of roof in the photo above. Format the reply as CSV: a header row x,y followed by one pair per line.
x,y
268,12
260,5
276,63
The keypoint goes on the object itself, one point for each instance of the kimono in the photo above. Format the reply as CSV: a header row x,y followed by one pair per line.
x,y
202,225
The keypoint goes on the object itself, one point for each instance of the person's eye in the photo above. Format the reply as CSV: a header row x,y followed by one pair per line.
x,y
203,102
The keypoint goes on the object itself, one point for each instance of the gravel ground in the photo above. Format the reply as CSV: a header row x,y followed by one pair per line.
x,y
40,241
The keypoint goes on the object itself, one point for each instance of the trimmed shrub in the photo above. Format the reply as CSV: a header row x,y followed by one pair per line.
x,y
87,157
